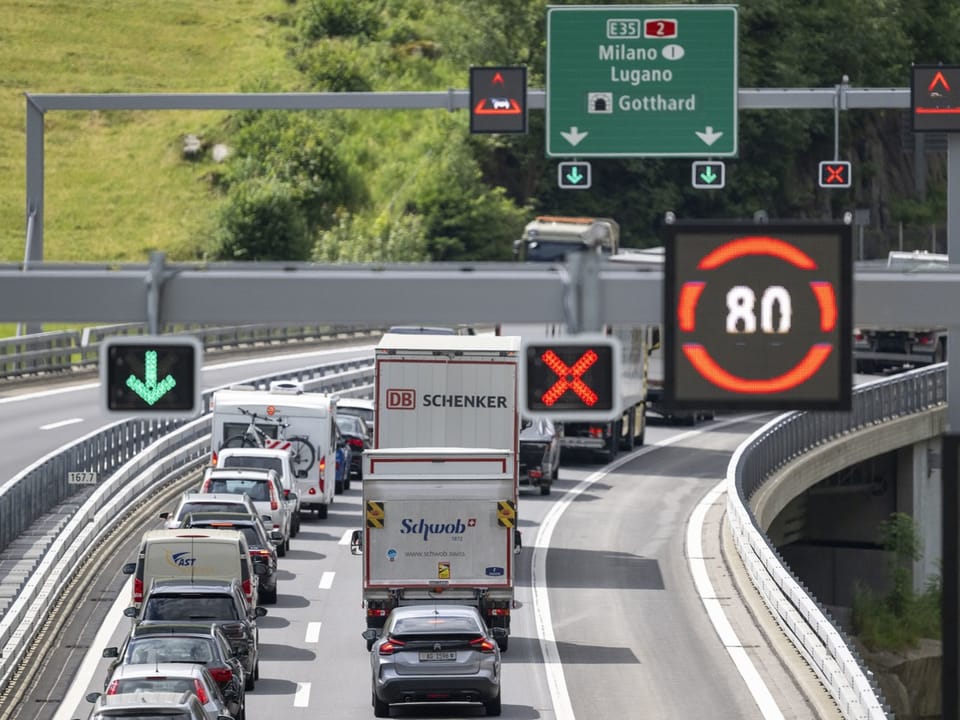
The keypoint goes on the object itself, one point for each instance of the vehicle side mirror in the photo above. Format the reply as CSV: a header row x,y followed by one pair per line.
x,y
266,517
92,697
356,542
129,568
370,634
111,652
517,540
130,612
259,569
165,515
259,611
498,633
276,536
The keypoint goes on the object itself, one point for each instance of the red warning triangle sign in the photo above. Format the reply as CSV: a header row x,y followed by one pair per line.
x,y
938,78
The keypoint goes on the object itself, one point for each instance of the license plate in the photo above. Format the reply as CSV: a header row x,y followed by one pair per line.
x,y
437,656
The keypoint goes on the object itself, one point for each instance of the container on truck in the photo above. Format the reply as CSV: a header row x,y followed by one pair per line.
x,y
439,527
285,417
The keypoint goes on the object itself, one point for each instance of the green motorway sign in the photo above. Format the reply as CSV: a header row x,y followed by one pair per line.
x,y
642,81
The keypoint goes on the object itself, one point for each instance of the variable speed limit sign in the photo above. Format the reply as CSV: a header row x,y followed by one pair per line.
x,y
758,317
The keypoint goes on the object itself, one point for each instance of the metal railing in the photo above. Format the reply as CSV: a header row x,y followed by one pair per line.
x,y
71,350
809,626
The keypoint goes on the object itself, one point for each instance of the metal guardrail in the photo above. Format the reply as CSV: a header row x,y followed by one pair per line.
x,y
133,456
66,350
808,625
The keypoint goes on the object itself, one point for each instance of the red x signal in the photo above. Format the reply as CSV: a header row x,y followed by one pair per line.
x,y
835,174
569,377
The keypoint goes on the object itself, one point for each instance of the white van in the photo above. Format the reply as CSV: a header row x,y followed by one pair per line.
x,y
192,554
283,417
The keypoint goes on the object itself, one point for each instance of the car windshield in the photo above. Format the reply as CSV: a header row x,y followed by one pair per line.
x,y
192,507
155,684
169,649
435,625
250,533
256,489
190,607
367,415
350,424
253,461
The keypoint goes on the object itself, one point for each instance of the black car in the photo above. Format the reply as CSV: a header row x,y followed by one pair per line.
x,y
262,550
355,432
219,602
187,642
539,453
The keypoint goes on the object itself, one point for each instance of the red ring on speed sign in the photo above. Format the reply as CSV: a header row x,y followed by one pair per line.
x,y
707,366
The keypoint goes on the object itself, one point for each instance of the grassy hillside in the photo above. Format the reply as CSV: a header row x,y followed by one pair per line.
x,y
115,185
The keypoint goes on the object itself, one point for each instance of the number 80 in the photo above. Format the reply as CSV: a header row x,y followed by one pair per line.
x,y
741,317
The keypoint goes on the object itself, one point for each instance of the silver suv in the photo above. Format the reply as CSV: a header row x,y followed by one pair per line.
x,y
149,706
274,459
264,489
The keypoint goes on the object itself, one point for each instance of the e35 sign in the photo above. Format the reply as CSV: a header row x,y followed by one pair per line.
x,y
758,317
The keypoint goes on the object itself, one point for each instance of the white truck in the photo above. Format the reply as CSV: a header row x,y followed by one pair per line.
x,y
883,347
439,527
440,486
285,418
549,238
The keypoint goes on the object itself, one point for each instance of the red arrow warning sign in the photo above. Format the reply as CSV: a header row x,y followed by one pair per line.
x,y
938,79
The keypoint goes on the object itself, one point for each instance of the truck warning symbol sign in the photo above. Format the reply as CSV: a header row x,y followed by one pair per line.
x,y
498,100
935,98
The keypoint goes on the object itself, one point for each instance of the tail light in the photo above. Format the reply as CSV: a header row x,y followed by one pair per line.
x,y
925,339
286,493
483,645
213,459
535,474
391,646
377,612
112,687
596,432
260,553
206,486
274,505
221,674
355,443
201,692
323,469
499,612
248,589
137,590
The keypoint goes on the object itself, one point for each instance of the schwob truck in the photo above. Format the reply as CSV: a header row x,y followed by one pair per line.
x,y
440,485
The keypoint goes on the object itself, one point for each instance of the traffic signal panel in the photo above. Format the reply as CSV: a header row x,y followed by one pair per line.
x,y
152,375
708,174
835,174
498,99
574,175
572,379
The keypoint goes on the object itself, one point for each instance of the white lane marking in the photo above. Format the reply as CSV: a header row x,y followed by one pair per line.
x,y
72,702
51,426
302,697
218,366
345,538
701,578
326,580
313,632
553,667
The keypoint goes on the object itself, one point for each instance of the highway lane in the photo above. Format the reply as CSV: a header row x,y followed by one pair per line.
x,y
39,421
631,632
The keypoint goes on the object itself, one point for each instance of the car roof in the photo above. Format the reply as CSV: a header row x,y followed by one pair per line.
x,y
156,701
240,472
362,403
255,452
234,498
225,517
441,610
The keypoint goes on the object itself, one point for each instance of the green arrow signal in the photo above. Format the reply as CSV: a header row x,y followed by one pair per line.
x,y
574,176
148,389
708,176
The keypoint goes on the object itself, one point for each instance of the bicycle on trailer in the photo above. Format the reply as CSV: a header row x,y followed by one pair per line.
x,y
253,436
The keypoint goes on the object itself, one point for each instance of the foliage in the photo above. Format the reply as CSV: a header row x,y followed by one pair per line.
x,y
320,19
900,618
357,239
261,220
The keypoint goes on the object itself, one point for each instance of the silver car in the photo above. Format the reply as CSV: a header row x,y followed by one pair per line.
x,y
264,489
435,654
148,706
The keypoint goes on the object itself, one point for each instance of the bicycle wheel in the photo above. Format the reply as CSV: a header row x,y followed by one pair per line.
x,y
238,441
302,453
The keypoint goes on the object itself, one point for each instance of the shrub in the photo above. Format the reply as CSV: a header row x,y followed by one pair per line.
x,y
321,19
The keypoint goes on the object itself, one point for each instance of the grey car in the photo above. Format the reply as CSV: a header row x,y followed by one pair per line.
x,y
148,706
435,654
539,453
152,676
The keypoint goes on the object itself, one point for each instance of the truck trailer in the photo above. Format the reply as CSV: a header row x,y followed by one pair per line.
x,y
439,527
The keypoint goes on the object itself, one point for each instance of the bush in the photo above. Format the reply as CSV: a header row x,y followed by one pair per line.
x,y
321,19
351,240
336,66
260,220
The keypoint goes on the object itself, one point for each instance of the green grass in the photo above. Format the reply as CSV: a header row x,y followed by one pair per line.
x,y
115,185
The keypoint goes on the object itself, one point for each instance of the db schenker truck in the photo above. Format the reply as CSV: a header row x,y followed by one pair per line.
x,y
440,485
